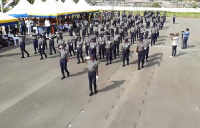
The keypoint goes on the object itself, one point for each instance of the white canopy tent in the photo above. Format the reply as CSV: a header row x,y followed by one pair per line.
x,y
7,20
49,8
21,9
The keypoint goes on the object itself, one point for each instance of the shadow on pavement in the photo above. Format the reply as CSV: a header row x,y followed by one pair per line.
x,y
156,58
53,56
190,46
9,55
114,85
163,36
85,70
181,53
161,43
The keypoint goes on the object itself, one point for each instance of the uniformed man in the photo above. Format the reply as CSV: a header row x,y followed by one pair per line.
x,y
22,46
60,41
87,44
92,74
117,42
114,46
75,37
121,32
70,43
153,36
79,50
174,19
92,48
132,32
44,40
51,44
140,53
109,50
125,51
41,47
146,44
63,60
35,43
101,43
83,32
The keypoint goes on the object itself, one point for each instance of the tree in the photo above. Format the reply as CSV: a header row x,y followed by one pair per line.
x,y
155,4
195,6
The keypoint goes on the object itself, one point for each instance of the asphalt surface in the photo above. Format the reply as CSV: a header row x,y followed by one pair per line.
x,y
165,94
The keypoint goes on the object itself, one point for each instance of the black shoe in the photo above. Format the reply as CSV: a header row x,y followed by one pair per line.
x,y
50,53
22,57
35,52
91,93
28,55
41,58
63,77
106,63
46,56
95,91
138,68
147,61
127,63
68,74
123,65
78,62
142,67
70,55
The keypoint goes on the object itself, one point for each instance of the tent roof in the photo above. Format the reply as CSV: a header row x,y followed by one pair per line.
x,y
6,19
49,8
21,9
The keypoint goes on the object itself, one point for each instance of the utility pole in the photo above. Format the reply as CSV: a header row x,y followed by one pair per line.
x,y
1,6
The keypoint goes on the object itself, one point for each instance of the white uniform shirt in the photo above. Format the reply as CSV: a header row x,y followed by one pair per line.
x,y
175,41
47,23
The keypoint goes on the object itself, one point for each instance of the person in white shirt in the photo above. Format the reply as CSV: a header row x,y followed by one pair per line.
x,y
175,39
47,24
32,25
28,25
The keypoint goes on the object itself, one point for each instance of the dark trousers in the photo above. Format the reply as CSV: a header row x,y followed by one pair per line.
x,y
125,55
51,46
23,31
35,45
185,42
71,49
92,79
109,55
75,43
117,47
132,37
48,30
157,34
174,50
22,47
136,36
101,50
83,34
140,58
93,52
153,39
79,54
114,50
87,49
97,33
42,52
173,20
146,53
63,66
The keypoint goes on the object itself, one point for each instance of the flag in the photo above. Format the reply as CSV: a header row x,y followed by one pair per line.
x,y
8,2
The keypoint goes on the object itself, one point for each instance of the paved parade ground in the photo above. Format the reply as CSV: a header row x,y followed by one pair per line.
x,y
165,94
